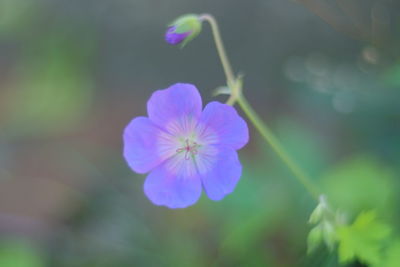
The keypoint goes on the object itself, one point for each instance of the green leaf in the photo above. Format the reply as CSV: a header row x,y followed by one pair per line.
x,y
54,90
14,253
363,239
360,183
392,255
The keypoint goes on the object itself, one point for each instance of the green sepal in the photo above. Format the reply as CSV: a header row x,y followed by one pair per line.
x,y
329,235
187,23
316,215
314,239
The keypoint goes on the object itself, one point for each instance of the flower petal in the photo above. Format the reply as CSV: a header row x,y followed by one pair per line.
x,y
221,124
222,178
165,187
140,145
173,37
171,104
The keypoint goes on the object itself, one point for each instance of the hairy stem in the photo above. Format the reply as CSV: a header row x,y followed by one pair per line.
x,y
230,77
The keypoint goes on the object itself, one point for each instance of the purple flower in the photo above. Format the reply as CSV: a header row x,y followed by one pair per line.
x,y
174,38
185,148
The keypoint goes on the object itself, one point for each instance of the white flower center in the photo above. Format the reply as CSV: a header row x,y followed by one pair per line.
x,y
190,148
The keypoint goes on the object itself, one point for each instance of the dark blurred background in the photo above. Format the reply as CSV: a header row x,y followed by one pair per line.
x,y
324,75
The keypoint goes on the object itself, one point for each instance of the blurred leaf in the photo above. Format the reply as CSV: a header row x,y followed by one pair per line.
x,y
250,214
181,249
19,254
16,14
360,183
392,255
303,145
326,222
54,89
392,76
363,239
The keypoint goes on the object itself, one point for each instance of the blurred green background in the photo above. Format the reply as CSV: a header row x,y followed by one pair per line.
x,y
324,75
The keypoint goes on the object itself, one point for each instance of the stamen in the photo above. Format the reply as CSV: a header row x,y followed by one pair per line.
x,y
190,149
187,157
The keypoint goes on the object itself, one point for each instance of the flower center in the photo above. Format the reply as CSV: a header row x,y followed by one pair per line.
x,y
190,149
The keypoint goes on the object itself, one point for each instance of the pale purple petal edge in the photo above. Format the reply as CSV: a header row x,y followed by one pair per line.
x,y
166,189
223,178
177,101
224,121
140,145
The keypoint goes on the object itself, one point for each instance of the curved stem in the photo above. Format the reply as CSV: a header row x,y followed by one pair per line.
x,y
236,95
230,77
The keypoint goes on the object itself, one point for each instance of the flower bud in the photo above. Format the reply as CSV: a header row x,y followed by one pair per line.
x,y
173,37
329,234
183,30
317,214
315,238
320,211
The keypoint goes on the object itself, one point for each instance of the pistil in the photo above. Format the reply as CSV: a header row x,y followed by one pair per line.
x,y
190,149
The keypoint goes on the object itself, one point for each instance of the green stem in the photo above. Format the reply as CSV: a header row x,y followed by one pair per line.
x,y
230,77
266,133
